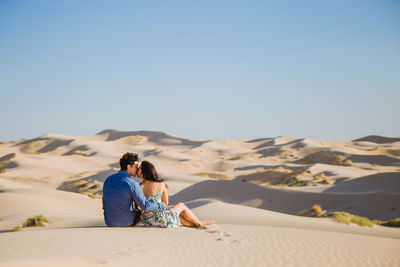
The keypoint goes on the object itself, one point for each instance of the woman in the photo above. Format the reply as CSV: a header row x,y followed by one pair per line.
x,y
155,190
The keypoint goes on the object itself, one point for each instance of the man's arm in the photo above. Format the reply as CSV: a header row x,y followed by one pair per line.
x,y
141,200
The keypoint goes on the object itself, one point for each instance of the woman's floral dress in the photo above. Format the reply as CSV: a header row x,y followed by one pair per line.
x,y
167,218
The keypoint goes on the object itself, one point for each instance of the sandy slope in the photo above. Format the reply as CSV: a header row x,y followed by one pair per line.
x,y
253,188
225,245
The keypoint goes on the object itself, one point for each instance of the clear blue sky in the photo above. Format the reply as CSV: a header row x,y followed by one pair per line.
x,y
325,70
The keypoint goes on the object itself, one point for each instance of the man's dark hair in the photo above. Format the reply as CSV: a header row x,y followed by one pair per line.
x,y
127,158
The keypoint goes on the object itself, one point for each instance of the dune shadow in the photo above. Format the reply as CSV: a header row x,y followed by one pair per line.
x,y
150,152
378,139
90,185
323,156
197,203
29,141
53,145
265,167
7,165
381,182
269,152
259,140
154,137
294,142
375,159
271,142
101,176
75,150
7,157
299,145
265,144
290,201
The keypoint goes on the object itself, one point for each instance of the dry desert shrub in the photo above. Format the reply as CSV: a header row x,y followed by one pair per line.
x,y
393,152
90,188
294,180
347,162
33,147
7,157
214,175
302,213
325,157
5,162
320,176
316,211
347,218
324,178
133,140
283,177
16,229
271,176
392,223
327,181
38,220
80,153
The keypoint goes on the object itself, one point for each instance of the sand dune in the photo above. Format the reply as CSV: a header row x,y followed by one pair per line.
x,y
372,205
253,188
378,139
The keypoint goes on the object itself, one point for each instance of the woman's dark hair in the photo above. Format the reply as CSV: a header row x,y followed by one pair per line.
x,y
149,172
127,159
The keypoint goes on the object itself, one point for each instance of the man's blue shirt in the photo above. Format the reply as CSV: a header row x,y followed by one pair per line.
x,y
119,193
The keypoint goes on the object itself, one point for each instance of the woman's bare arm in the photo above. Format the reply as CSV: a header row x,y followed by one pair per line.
x,y
136,205
164,198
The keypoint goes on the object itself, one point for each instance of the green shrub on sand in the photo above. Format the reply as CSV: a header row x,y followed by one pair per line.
x,y
316,211
302,213
347,218
392,223
16,229
38,220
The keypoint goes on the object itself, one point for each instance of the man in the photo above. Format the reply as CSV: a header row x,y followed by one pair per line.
x,y
119,193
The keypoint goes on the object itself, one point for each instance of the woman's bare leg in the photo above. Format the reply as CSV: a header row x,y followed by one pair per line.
x,y
185,222
189,216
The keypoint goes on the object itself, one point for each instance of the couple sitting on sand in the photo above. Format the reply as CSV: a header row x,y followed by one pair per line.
x,y
126,203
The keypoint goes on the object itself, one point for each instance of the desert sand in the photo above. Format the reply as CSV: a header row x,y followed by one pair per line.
x,y
255,190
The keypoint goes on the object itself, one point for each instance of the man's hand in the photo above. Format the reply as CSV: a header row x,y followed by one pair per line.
x,y
138,207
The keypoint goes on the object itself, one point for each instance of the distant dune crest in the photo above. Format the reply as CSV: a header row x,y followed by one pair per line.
x,y
378,139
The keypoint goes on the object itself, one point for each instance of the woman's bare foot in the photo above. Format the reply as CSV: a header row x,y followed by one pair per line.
x,y
204,224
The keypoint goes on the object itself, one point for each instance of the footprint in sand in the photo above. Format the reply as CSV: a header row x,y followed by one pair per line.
x,y
222,235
